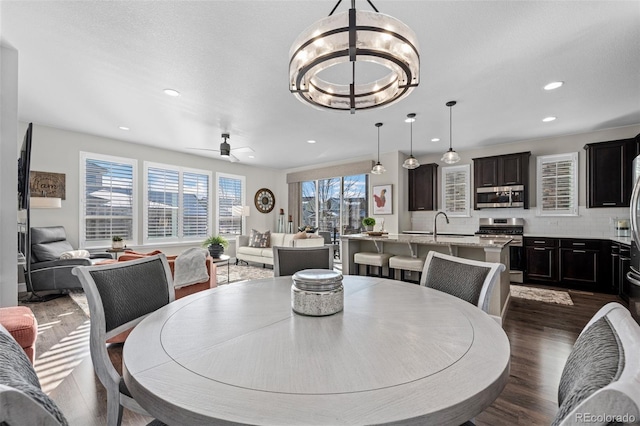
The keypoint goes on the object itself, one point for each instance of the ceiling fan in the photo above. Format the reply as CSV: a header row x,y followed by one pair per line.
x,y
226,150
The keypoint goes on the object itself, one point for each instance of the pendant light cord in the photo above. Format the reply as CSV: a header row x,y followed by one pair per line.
x,y
411,137
450,131
378,144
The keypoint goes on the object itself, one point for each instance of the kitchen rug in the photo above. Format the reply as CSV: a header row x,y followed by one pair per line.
x,y
541,295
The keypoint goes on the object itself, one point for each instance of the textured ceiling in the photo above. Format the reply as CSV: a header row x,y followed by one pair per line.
x,y
93,66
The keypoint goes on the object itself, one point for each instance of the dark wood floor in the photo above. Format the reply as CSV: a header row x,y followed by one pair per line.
x,y
541,336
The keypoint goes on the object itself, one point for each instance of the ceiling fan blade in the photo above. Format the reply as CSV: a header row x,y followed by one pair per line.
x,y
233,158
242,149
204,149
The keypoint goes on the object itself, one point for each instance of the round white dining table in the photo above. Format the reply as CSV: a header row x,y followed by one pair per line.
x,y
237,354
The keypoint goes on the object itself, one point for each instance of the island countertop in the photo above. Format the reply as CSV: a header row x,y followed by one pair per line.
x,y
443,240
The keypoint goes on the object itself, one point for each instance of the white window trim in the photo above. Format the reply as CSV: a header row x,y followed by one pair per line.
x,y
134,193
572,156
466,169
243,196
145,208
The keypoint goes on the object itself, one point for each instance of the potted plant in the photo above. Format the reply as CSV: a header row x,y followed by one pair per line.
x,y
216,245
117,242
368,223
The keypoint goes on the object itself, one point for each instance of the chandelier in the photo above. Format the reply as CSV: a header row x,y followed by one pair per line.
x,y
350,37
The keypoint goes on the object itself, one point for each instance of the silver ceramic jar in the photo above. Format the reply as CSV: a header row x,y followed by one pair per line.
x,y
317,292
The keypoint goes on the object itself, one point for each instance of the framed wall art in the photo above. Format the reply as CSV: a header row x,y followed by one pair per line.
x,y
382,199
46,184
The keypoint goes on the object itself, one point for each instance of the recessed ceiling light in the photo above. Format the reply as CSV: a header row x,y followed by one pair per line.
x,y
311,141
123,128
548,119
409,119
435,140
171,92
553,85
252,156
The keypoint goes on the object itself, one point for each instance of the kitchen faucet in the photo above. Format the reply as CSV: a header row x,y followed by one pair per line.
x,y
435,222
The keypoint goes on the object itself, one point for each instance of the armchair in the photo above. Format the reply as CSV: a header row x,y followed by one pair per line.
x,y
45,270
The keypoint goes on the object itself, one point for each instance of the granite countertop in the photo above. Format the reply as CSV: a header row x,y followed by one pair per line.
x,y
444,240
621,240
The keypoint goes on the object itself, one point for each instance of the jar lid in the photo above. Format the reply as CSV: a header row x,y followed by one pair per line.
x,y
317,279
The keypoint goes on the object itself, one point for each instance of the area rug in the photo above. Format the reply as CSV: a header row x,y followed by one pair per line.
x,y
541,295
241,273
237,273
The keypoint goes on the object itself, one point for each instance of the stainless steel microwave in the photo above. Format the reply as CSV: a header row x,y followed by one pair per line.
x,y
500,196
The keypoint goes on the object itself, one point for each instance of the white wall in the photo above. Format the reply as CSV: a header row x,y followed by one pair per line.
x,y
8,175
58,151
590,222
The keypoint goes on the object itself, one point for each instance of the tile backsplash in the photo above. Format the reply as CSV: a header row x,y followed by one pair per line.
x,y
595,222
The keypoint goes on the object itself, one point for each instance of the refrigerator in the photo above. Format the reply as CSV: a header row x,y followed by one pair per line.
x,y
633,276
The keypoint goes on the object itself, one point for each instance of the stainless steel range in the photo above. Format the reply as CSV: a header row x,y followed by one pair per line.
x,y
513,228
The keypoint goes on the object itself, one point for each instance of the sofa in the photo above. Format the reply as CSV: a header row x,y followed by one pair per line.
x,y
264,255
22,401
50,269
180,291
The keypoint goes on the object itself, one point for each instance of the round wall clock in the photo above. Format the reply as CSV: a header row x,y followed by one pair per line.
x,y
264,200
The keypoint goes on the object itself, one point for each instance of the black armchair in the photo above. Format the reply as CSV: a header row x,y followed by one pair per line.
x,y
45,270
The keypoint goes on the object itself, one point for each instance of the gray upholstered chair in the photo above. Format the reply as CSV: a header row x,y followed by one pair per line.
x,y
470,280
120,295
46,271
22,401
289,260
602,374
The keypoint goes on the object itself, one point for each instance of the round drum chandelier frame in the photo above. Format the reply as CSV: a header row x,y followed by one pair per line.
x,y
354,35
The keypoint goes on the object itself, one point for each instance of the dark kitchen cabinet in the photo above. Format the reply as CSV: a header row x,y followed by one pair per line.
x,y
541,262
572,263
620,265
485,171
579,263
509,170
609,172
423,187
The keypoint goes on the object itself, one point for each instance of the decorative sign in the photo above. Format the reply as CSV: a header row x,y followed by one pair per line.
x,y
45,184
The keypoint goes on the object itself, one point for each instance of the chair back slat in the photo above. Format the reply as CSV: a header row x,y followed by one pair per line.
x,y
131,291
458,279
289,260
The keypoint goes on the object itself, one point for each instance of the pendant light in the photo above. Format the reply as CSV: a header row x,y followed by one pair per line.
x,y
450,157
411,162
378,169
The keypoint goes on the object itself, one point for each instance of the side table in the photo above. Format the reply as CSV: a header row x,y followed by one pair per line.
x,y
115,251
221,261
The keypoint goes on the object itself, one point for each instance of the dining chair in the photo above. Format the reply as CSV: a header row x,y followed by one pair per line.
x,y
289,260
120,295
601,374
469,280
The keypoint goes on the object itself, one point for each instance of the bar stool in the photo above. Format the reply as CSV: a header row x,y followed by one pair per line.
x,y
407,263
380,260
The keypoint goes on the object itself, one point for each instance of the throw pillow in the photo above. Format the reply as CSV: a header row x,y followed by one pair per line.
x,y
259,239
75,254
300,236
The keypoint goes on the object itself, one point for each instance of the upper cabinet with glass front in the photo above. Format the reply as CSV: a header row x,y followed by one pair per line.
x,y
609,174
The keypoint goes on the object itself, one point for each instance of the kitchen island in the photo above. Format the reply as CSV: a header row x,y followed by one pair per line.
x,y
488,250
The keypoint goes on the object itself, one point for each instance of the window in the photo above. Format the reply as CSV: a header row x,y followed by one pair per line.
x,y
177,206
337,205
107,199
231,193
455,190
557,186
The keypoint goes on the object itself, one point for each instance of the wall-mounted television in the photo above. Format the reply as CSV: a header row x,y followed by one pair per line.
x,y
24,166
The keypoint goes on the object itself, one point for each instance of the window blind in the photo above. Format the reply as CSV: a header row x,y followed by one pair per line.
x,y
455,190
177,203
108,204
557,184
230,193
